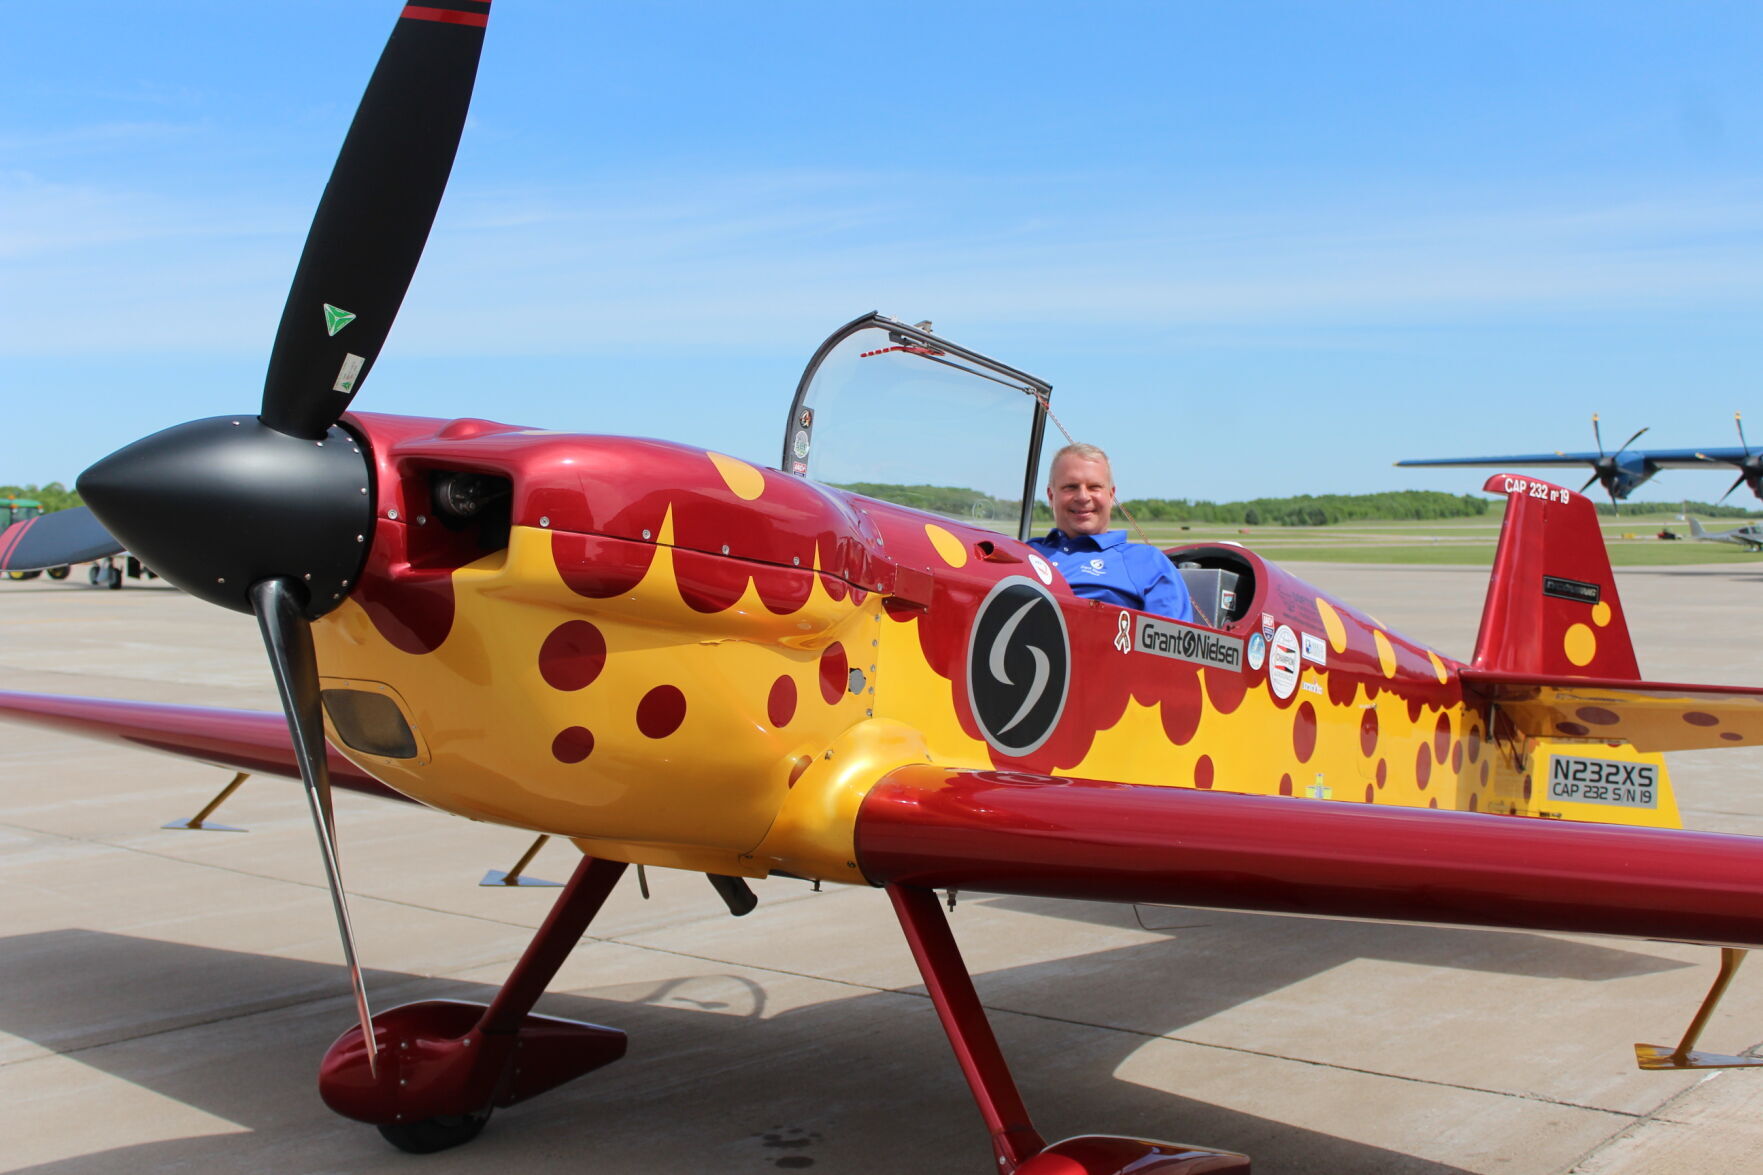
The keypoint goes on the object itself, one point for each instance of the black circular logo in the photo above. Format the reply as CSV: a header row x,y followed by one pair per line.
x,y
1018,665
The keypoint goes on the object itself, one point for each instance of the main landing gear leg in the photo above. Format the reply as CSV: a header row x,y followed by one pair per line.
x,y
1016,1146
444,1065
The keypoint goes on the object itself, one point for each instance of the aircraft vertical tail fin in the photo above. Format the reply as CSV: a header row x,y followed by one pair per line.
x,y
1696,531
1552,606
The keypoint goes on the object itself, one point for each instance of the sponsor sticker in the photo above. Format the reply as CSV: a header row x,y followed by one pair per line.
x,y
1257,650
1575,780
1571,589
1315,649
1181,643
1043,569
348,374
1267,627
1123,632
1312,686
1282,662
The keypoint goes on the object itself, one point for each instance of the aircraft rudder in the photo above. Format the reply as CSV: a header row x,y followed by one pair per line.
x,y
1552,605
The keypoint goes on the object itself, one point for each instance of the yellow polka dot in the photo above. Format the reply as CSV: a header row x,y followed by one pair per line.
x,y
1580,644
1600,613
1331,622
746,482
953,551
1386,656
1438,667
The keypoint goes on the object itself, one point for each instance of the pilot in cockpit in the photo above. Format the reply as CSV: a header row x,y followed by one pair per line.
x,y
1097,562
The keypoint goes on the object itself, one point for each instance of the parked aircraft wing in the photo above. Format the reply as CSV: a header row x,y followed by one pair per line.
x,y
238,740
1012,832
1659,458
1651,715
55,540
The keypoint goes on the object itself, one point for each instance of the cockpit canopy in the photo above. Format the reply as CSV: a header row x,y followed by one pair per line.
x,y
897,412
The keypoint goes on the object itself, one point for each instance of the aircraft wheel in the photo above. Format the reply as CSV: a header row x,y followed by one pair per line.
x,y
23,574
92,574
59,572
113,579
435,1134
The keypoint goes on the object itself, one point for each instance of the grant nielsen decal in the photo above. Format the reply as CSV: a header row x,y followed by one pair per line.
x,y
1018,665
1181,643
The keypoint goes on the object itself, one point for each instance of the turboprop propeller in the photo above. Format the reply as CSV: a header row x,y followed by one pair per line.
x,y
272,514
1750,464
1607,468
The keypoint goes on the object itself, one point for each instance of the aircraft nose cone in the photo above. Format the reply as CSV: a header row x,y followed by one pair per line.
x,y
216,505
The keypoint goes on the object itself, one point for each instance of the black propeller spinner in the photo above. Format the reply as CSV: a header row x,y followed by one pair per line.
x,y
272,514
1605,469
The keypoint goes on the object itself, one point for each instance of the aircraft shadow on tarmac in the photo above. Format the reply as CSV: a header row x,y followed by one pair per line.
x,y
711,1082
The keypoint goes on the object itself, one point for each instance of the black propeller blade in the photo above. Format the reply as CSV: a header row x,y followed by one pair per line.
x,y
374,218
55,540
287,637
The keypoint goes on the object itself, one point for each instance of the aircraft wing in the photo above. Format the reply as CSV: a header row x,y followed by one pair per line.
x,y
1658,458
1047,836
256,741
55,540
1652,715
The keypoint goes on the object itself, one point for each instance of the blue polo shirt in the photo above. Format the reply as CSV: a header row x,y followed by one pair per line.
x,y
1107,567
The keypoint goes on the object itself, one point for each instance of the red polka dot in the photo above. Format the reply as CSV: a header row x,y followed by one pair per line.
x,y
1474,743
780,707
802,763
661,711
1577,730
1304,731
1433,803
1370,794
1441,738
1527,787
1285,785
572,656
572,744
1203,772
1368,732
1697,718
1484,773
1598,716
1457,758
1472,801
1732,736
835,673
1383,771
1423,766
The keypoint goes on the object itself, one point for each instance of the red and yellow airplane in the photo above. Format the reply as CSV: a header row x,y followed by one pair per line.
x,y
678,658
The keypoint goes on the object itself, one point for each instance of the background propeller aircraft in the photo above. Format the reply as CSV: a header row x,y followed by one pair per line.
x,y
1750,537
1620,472
680,659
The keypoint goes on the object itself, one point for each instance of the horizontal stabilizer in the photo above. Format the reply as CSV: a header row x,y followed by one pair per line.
x,y
1045,836
55,540
1649,715
238,740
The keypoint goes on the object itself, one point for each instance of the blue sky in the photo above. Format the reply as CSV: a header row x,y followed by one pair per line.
x,y
1257,248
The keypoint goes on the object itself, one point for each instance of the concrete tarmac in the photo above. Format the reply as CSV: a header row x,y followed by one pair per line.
x,y
165,996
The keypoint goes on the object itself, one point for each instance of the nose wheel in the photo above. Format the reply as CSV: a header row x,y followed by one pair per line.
x,y
434,1134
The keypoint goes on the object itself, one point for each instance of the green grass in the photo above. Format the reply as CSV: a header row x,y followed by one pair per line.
x,y
1467,542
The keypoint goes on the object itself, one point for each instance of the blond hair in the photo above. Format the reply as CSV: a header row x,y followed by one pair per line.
x,y
1084,452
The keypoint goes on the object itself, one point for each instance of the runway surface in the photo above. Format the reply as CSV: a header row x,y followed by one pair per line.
x,y
165,996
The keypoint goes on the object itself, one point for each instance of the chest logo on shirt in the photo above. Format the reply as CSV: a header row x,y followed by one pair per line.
x,y
1095,566
1018,665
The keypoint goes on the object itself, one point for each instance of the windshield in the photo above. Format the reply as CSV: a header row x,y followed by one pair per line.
x,y
895,412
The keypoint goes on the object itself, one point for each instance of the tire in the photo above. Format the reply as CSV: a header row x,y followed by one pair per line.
x,y
92,574
23,574
434,1134
59,572
113,578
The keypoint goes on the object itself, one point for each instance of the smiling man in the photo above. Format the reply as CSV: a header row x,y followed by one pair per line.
x,y
1097,562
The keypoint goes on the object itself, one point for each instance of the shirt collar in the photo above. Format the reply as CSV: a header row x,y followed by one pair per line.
x,y
1102,542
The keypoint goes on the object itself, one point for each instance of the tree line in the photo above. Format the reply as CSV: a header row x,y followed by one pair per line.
x,y
53,496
